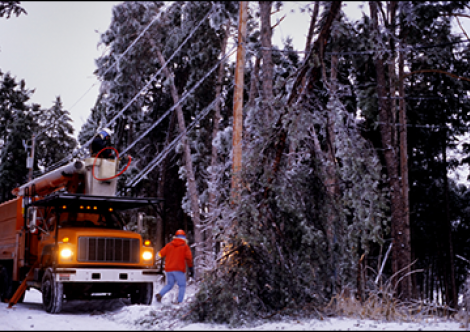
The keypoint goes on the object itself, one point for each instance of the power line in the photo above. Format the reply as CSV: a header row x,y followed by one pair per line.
x,y
156,161
426,126
146,86
445,98
119,58
57,164
185,95
158,72
405,49
85,145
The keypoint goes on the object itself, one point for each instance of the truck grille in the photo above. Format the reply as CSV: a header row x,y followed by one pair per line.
x,y
106,249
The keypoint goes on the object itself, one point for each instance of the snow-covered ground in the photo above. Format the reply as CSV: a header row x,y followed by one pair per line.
x,y
119,315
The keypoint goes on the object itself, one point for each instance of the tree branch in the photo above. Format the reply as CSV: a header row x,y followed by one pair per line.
x,y
280,20
435,71
461,28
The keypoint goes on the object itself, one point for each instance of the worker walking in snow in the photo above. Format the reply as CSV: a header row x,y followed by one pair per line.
x,y
177,255
101,141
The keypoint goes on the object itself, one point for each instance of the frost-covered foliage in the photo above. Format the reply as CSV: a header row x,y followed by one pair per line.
x,y
16,125
96,120
129,101
277,254
125,70
308,210
289,242
56,141
11,7
19,121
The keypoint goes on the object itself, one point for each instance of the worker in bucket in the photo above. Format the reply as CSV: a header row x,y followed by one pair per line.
x,y
178,255
101,141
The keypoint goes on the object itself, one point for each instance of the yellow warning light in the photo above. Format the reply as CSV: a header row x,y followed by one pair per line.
x,y
147,242
110,209
81,207
64,207
95,208
65,239
88,207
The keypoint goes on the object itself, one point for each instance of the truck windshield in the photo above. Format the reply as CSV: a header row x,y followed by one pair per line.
x,y
80,210
101,220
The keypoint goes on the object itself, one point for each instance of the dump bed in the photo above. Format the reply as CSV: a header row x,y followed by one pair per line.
x,y
11,222
12,237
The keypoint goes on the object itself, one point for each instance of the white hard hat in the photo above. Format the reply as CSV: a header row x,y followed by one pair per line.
x,y
105,132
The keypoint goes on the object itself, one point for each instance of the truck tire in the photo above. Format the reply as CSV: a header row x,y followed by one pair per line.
x,y
52,293
143,294
5,284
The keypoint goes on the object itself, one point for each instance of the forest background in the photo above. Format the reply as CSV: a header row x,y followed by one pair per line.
x,y
346,147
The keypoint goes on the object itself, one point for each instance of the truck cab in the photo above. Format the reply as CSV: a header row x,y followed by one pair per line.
x,y
75,245
84,250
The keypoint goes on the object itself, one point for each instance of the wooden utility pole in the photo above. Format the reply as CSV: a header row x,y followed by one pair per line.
x,y
31,160
238,103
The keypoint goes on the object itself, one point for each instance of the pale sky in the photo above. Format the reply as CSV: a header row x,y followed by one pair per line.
x,y
54,47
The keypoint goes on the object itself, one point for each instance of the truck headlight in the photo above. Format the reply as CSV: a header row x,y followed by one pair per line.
x,y
66,253
147,255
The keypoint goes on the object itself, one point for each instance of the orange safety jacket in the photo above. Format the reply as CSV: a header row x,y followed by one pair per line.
x,y
177,253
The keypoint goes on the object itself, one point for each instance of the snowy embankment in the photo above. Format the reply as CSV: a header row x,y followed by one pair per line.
x,y
120,315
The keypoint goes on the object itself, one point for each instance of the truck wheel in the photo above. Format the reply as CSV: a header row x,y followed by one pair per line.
x,y
5,284
52,293
143,294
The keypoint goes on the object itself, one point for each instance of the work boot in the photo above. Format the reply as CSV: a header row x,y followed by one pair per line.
x,y
159,297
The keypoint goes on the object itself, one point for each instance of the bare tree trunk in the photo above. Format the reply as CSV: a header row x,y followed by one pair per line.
x,y
215,130
254,83
313,20
191,181
401,258
303,81
331,180
161,185
391,6
267,68
432,282
293,143
404,156
450,265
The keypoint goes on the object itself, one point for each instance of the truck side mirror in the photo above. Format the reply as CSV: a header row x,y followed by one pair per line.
x,y
140,222
33,219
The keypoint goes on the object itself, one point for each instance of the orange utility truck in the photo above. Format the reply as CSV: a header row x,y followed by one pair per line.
x,y
64,235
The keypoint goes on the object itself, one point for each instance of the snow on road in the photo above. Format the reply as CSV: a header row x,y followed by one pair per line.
x,y
118,315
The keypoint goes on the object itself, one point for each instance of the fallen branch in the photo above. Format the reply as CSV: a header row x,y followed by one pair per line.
x,y
383,263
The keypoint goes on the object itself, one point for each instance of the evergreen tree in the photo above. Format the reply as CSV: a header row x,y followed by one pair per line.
x,y
122,81
277,253
56,141
16,125
11,7
428,104
440,117
318,174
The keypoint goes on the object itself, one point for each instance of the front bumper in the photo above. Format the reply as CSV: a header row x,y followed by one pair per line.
x,y
106,275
